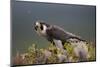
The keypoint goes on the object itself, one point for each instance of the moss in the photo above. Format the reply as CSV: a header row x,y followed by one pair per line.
x,y
51,54
92,50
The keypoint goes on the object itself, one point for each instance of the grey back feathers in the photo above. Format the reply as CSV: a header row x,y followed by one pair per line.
x,y
60,34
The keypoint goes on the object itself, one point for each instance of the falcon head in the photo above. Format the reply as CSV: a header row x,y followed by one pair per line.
x,y
41,27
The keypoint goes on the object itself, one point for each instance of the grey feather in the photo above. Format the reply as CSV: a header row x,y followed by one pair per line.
x,y
59,34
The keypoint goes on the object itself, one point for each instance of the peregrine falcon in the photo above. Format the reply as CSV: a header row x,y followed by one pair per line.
x,y
59,36
53,32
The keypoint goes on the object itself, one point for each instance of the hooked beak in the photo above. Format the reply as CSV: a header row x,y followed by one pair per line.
x,y
35,27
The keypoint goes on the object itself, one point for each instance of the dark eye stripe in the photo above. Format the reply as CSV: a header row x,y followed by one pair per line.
x,y
41,27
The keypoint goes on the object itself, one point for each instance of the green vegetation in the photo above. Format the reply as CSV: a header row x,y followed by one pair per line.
x,y
51,54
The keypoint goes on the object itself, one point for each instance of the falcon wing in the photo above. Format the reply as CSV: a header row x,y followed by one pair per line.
x,y
59,34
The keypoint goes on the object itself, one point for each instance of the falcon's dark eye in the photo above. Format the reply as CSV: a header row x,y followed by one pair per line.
x,y
41,27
